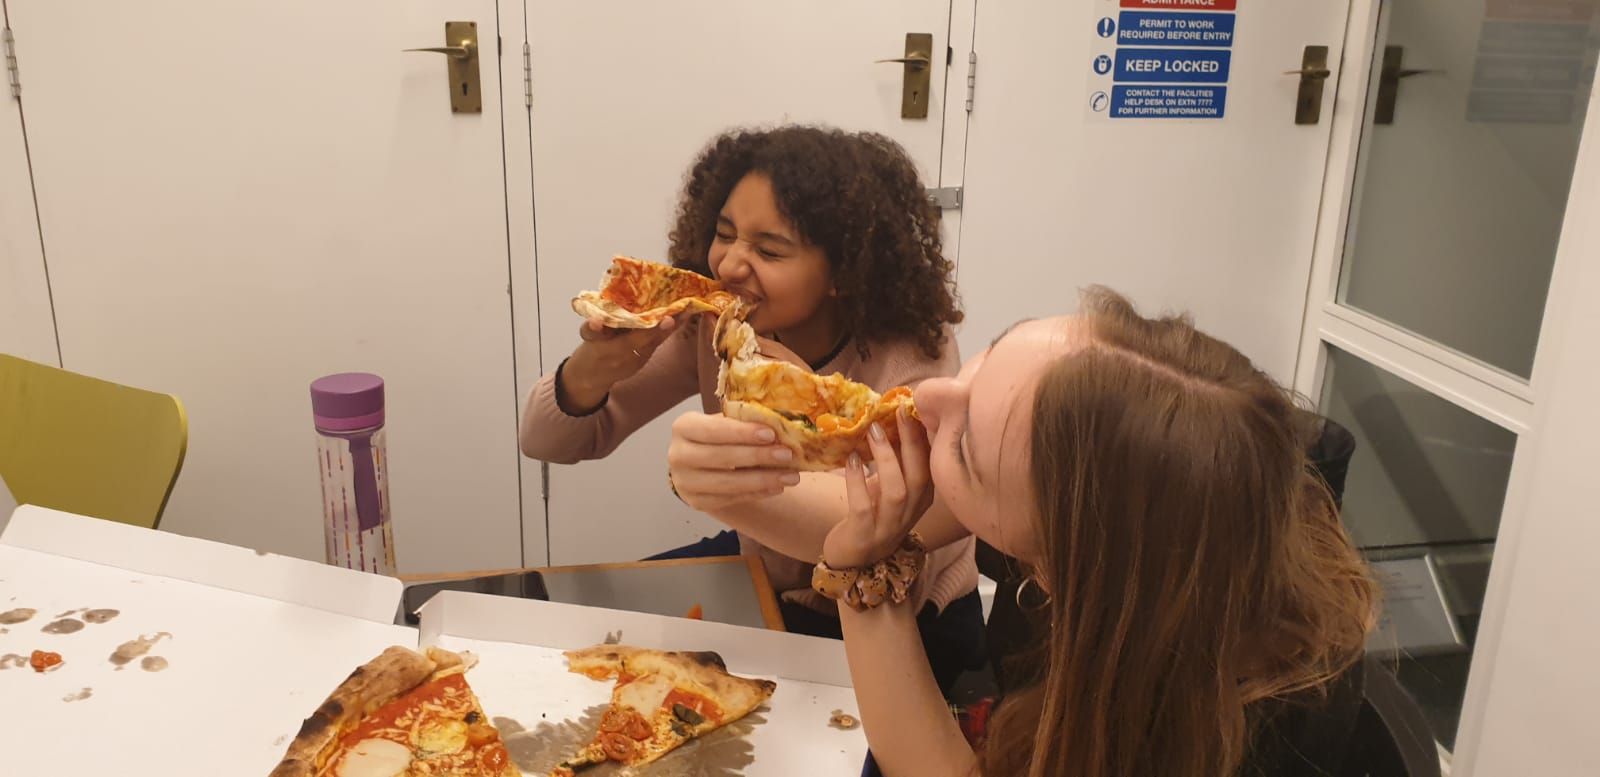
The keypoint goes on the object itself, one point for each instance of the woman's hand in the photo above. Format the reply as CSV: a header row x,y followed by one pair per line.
x,y
605,358
715,462
885,505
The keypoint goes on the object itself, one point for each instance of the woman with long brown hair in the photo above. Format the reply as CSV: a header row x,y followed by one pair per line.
x,y
1198,585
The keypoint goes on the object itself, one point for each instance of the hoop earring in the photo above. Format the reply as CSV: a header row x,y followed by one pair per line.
x,y
1023,586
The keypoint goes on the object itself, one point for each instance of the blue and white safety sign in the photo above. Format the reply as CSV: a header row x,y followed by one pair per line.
x,y
1164,66
1147,28
1157,59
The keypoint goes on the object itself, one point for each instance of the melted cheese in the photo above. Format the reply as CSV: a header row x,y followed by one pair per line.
x,y
442,736
375,758
645,694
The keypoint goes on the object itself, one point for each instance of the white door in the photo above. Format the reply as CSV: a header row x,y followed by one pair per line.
x,y
1427,315
1210,215
624,94
237,198
27,328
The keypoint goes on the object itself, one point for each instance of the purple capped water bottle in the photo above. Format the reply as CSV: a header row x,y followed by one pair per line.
x,y
348,411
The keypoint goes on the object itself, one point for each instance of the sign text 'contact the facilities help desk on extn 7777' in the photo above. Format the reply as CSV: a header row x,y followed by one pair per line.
x,y
1160,59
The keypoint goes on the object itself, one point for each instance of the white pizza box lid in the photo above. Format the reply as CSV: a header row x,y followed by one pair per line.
x,y
746,650
204,562
249,645
545,712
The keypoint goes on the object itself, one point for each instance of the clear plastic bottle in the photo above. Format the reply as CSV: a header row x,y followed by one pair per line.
x,y
348,411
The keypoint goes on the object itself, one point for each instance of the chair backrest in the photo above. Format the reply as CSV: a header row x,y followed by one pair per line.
x,y
1392,737
86,446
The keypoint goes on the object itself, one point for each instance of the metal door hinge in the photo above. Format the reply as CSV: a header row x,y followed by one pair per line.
x,y
945,197
972,77
544,482
11,62
527,75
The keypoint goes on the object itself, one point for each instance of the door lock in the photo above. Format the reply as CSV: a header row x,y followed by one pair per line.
x,y
461,46
918,75
1314,73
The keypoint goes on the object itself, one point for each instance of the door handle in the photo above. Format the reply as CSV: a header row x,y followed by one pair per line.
x,y
455,52
917,60
1314,73
917,79
461,46
1310,72
1389,83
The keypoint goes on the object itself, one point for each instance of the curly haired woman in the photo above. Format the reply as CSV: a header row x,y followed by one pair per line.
x,y
830,233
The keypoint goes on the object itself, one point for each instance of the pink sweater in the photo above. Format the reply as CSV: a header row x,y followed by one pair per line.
x,y
684,365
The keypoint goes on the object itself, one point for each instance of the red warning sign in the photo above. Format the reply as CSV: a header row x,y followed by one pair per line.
x,y
1183,5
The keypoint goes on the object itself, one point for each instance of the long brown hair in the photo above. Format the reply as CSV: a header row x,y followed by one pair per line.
x,y
1194,561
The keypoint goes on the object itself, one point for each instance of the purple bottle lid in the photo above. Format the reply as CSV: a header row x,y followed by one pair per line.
x,y
347,401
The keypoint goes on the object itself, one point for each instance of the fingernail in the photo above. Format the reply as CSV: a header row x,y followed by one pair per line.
x,y
854,462
791,479
766,435
877,432
782,454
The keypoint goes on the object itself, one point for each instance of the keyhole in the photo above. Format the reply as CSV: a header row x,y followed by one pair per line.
x,y
914,95
463,88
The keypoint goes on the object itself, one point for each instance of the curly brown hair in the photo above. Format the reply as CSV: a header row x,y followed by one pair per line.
x,y
857,197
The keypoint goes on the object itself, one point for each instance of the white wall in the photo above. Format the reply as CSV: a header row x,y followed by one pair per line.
x,y
300,202
26,326
1532,700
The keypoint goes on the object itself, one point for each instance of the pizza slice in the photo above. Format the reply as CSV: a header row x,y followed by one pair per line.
x,y
822,418
636,294
661,700
402,714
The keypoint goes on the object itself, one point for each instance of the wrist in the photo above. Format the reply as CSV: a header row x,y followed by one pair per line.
x,y
890,579
577,391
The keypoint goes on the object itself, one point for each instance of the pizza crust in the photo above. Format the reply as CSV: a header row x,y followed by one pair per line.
x,y
373,684
737,696
394,673
791,400
653,676
668,290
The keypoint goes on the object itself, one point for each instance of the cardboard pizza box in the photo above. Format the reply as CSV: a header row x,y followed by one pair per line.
x,y
243,646
545,712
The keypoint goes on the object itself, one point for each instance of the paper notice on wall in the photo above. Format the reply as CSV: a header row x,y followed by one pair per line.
x,y
1159,59
1534,63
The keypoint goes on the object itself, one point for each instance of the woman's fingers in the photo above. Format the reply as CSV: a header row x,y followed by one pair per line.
x,y
862,511
684,454
913,453
720,430
891,481
717,483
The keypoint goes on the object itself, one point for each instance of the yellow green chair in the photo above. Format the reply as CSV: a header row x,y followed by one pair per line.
x,y
75,443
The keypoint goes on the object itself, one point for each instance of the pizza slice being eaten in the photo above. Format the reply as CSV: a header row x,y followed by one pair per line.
x,y
402,714
635,294
822,418
661,700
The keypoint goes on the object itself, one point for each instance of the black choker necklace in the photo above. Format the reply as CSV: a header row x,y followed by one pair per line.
x,y
828,357
833,353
